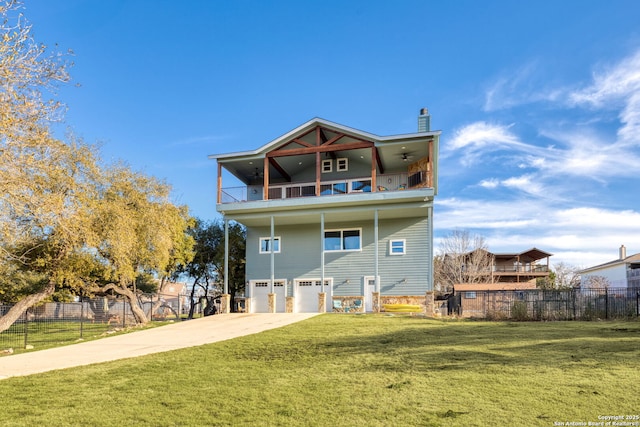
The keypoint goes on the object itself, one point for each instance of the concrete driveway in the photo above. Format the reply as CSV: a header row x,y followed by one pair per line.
x,y
165,338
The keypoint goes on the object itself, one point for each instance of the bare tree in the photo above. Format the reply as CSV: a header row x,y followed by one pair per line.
x,y
566,276
597,282
462,258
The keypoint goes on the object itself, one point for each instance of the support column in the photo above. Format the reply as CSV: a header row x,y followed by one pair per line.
x,y
375,296
376,249
430,308
323,290
289,304
272,255
430,248
272,302
322,302
225,305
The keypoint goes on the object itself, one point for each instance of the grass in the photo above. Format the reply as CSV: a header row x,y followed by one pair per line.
x,y
43,335
350,370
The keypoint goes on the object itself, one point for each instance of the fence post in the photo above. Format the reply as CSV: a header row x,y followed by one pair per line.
x,y
124,312
26,327
606,303
81,316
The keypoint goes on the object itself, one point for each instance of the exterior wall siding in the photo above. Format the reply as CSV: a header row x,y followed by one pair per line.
x,y
615,275
300,256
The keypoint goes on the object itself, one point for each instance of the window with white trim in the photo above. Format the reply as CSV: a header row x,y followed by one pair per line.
x,y
343,240
342,164
265,245
327,166
397,247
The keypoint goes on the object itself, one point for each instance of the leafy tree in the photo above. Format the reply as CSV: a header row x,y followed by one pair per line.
x,y
462,258
136,230
207,265
66,221
28,73
44,188
43,181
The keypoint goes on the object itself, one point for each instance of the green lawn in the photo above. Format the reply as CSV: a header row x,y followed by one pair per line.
x,y
43,335
369,370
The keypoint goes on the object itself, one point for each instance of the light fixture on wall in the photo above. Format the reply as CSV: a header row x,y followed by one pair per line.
x,y
404,280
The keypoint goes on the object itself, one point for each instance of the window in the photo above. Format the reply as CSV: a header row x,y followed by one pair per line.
x,y
342,240
327,166
265,245
470,295
342,164
397,247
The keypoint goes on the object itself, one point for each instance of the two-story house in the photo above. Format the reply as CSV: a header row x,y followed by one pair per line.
x,y
623,272
336,218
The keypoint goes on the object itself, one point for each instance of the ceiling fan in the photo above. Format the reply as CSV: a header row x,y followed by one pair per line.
x,y
257,174
406,157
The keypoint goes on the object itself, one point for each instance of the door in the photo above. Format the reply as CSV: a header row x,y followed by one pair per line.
x,y
306,292
368,288
260,296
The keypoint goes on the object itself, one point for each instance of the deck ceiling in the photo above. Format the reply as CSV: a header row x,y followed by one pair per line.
x,y
298,153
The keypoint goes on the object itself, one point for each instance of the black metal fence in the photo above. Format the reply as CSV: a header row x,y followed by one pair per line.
x,y
57,322
539,304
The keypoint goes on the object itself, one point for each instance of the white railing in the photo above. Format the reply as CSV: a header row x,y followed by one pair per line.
x,y
390,182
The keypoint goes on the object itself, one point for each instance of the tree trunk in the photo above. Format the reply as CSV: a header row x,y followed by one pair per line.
x,y
138,313
156,305
24,304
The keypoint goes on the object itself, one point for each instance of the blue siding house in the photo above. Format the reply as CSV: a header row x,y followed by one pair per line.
x,y
337,219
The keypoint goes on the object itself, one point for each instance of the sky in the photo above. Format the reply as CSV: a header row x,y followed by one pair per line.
x,y
538,101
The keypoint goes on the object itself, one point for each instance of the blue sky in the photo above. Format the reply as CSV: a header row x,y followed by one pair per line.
x,y
538,102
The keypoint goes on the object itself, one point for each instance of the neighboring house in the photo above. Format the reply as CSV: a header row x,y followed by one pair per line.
x,y
623,272
335,217
510,267
519,267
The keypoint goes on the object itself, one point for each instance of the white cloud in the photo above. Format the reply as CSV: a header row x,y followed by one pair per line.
x,y
549,161
520,87
476,139
489,183
616,87
581,236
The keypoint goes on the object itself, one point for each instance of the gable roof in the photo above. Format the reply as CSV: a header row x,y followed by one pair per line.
x,y
633,261
285,155
312,124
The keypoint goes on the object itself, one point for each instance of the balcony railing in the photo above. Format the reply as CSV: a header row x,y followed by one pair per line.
x,y
389,182
522,269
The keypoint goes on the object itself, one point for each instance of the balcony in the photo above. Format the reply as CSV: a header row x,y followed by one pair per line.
x,y
387,182
526,268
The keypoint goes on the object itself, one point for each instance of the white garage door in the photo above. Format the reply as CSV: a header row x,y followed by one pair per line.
x,y
307,291
260,296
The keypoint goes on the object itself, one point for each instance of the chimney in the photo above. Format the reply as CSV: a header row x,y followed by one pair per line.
x,y
623,252
424,121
